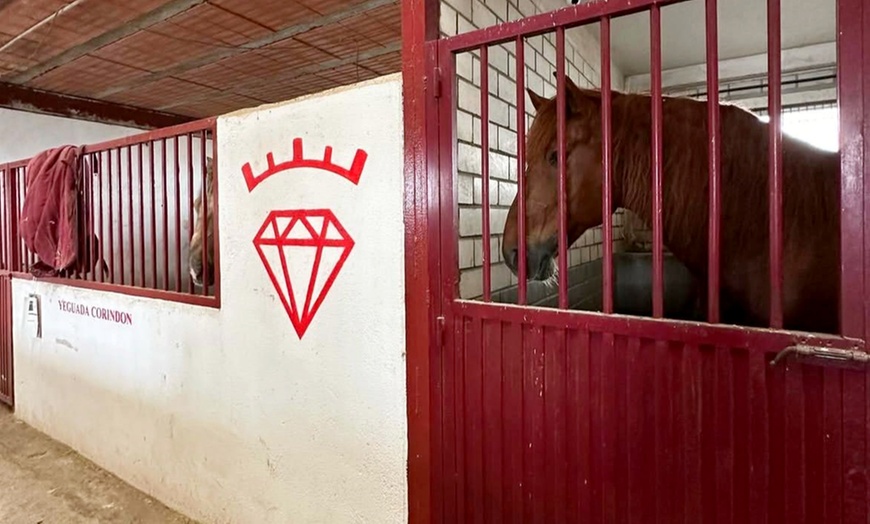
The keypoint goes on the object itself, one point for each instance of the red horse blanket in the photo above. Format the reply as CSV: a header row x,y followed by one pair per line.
x,y
50,224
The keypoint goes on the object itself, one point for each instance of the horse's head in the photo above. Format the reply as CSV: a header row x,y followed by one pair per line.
x,y
583,152
196,240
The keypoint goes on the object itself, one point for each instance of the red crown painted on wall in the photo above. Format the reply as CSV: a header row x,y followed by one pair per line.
x,y
353,173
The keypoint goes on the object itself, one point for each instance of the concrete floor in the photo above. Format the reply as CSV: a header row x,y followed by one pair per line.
x,y
45,482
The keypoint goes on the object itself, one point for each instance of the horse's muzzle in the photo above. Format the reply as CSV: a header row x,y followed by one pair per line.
x,y
539,261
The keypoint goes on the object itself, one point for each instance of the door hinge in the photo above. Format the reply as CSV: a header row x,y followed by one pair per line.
x,y
436,83
824,355
439,332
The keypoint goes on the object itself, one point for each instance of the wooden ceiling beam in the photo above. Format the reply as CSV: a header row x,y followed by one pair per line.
x,y
162,13
49,103
221,54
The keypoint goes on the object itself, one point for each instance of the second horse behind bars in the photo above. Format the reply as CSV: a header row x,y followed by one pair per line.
x,y
202,249
810,197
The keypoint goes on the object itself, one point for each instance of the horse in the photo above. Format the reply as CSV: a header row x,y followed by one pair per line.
x,y
810,200
195,255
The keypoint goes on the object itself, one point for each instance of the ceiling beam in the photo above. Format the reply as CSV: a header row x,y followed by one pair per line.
x,y
221,54
48,103
153,17
239,88
731,69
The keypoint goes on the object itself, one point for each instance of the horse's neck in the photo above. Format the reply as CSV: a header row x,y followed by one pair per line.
x,y
632,179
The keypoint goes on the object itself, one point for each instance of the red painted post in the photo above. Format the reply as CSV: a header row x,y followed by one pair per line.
x,y
165,191
177,217
98,159
216,240
522,270
120,215
96,236
484,171
419,25
657,222
111,198
713,154
854,98
153,185
141,217
190,202
130,224
561,101
204,206
606,167
774,106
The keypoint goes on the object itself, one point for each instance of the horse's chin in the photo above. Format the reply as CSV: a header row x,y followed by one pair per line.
x,y
548,273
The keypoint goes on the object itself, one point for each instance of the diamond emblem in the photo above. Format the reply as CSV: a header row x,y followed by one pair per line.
x,y
303,252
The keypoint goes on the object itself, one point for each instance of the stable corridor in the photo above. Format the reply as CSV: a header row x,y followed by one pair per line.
x,y
45,482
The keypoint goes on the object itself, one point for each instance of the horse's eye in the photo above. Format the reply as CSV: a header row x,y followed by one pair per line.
x,y
553,159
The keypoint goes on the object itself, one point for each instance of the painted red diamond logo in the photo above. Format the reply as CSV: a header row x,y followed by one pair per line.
x,y
303,252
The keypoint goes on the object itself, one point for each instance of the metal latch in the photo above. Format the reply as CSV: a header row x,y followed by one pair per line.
x,y
843,357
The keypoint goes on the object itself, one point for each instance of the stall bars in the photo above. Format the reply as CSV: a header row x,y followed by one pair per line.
x,y
602,12
138,194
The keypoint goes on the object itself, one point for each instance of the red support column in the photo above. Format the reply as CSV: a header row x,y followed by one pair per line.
x,y
419,25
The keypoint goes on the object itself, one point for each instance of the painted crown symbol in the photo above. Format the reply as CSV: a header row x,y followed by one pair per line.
x,y
298,160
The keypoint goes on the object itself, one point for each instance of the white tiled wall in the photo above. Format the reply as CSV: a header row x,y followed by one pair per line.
x,y
582,65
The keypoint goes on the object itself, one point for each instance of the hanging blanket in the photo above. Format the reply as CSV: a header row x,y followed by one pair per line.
x,y
51,224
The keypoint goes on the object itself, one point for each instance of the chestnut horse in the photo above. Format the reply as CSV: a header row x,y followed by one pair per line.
x,y
195,254
811,233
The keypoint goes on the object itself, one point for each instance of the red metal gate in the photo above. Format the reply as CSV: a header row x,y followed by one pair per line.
x,y
7,391
547,415
8,258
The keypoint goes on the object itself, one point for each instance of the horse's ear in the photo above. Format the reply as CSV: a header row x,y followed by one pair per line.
x,y
537,100
578,98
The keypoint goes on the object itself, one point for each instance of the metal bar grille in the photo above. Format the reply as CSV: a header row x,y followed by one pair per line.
x,y
125,182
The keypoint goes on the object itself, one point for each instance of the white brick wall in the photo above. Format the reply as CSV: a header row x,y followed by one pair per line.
x,y
582,65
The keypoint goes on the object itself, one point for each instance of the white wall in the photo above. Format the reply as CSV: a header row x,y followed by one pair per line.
x,y
226,414
34,133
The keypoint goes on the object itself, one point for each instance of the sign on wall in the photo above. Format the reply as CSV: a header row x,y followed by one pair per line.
x,y
303,250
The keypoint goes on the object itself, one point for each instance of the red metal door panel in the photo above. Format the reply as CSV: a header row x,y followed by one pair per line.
x,y
546,423
542,415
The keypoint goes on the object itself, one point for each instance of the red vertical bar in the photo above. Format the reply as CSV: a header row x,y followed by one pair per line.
x,y
521,170
141,219
152,183
121,215
4,261
561,97
714,161
774,106
111,196
98,160
165,191
190,201
130,215
606,166
215,229
94,235
204,206
853,93
177,218
656,79
14,253
21,190
484,170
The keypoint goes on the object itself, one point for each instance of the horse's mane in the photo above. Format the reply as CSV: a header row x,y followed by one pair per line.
x,y
809,185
